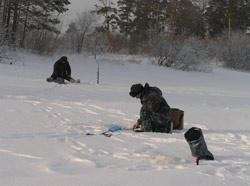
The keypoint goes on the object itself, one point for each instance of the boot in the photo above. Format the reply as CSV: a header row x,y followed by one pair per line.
x,y
50,79
197,144
59,80
72,80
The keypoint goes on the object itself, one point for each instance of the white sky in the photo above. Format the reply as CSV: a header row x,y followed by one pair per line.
x,y
80,5
76,6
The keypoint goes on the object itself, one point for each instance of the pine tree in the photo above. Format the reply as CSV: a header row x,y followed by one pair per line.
x,y
42,14
216,15
21,16
243,15
148,18
126,16
227,15
188,20
109,12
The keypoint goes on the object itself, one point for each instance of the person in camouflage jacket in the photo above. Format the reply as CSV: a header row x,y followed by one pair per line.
x,y
155,111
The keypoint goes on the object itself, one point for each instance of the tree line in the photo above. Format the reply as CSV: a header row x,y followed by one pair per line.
x,y
202,18
178,33
20,17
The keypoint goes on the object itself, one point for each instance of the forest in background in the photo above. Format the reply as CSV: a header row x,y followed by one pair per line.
x,y
190,35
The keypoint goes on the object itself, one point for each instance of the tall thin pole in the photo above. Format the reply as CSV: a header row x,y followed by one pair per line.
x,y
98,73
173,6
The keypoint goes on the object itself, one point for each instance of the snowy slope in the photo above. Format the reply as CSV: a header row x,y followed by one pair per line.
x,y
43,125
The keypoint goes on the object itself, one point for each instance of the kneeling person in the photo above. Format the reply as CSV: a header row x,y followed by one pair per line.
x,y
155,111
61,71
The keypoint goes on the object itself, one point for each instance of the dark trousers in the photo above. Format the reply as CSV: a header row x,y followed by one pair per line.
x,y
63,76
154,122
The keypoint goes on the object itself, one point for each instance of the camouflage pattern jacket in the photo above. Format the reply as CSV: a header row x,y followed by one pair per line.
x,y
155,111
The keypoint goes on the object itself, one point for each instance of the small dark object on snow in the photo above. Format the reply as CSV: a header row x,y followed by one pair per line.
x,y
198,145
103,133
177,117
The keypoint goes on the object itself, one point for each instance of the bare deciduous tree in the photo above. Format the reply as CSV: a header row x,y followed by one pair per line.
x,y
234,52
185,54
165,48
86,21
98,44
7,52
84,25
193,56
41,42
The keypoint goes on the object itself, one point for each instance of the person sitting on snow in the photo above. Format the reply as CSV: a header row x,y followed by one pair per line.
x,y
61,71
155,111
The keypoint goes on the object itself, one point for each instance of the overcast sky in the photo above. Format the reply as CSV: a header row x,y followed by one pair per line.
x,y
77,6
80,5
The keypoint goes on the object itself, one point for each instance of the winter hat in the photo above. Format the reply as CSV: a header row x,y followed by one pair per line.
x,y
135,89
63,58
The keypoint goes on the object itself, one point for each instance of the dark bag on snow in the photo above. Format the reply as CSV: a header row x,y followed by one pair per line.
x,y
197,144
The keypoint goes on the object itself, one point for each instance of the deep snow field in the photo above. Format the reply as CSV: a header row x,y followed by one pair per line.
x,y
43,125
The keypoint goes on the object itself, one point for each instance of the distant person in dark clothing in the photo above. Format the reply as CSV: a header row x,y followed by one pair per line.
x,y
61,71
155,111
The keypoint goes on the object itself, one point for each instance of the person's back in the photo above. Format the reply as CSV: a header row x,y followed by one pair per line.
x,y
157,107
155,111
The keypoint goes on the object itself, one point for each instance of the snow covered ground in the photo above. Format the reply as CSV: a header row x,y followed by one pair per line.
x,y
43,126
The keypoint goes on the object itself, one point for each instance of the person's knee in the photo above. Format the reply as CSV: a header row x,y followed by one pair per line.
x,y
147,126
